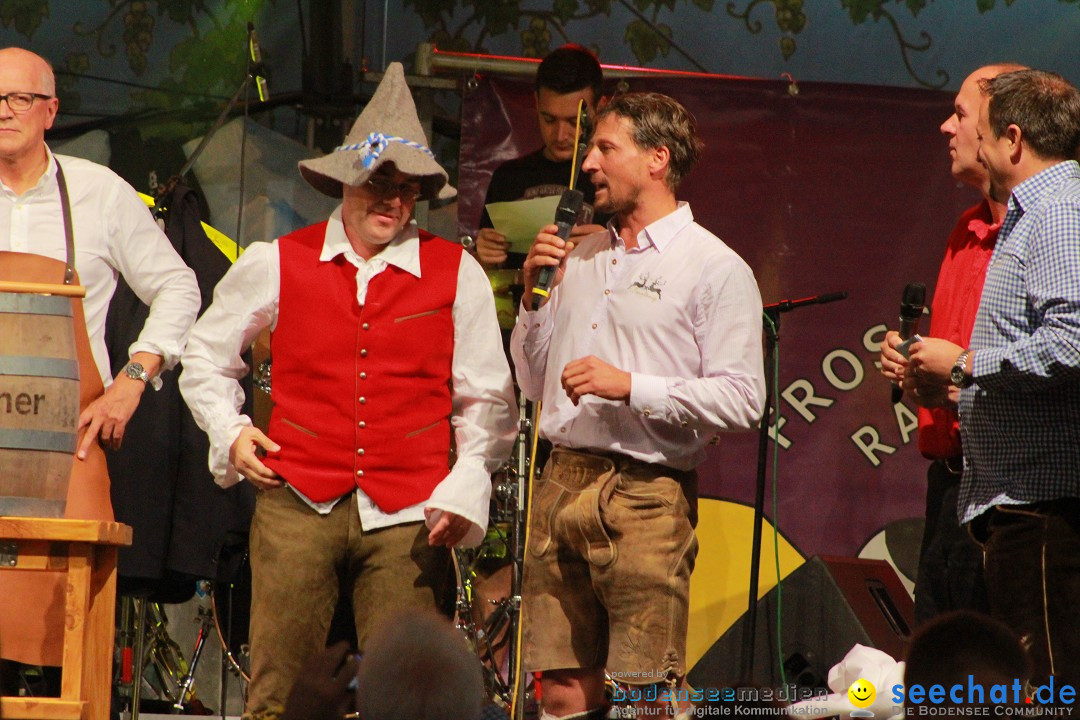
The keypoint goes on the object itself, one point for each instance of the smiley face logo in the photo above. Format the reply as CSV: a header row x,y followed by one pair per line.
x,y
862,693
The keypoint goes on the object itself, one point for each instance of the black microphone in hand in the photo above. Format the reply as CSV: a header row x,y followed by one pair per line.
x,y
911,312
569,206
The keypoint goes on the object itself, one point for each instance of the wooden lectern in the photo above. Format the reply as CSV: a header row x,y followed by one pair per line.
x,y
86,549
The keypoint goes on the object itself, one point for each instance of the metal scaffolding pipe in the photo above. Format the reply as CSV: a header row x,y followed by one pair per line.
x,y
430,60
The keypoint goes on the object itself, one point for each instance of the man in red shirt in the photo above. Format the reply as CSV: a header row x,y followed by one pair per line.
x,y
950,563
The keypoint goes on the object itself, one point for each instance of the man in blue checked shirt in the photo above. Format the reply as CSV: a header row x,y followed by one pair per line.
x,y
1020,379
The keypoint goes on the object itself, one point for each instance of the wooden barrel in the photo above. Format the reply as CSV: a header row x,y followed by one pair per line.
x,y
39,403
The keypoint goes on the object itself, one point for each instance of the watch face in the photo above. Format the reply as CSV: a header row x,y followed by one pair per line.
x,y
134,371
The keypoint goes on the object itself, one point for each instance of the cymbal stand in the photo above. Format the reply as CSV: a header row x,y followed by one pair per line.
x,y
526,422
206,620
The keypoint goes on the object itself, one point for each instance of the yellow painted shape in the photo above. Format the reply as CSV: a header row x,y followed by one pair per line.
x,y
721,581
223,242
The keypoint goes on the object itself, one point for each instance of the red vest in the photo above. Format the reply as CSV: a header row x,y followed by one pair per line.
x,y
362,395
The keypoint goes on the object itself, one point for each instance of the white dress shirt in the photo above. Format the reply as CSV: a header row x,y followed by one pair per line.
x,y
115,234
681,313
246,301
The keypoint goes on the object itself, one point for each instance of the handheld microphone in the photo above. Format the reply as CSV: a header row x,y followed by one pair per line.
x,y
569,206
911,312
257,69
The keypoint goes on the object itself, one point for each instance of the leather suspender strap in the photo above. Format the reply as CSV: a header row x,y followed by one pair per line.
x,y
69,233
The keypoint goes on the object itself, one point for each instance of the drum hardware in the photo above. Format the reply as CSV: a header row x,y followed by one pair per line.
x,y
237,666
261,378
206,619
491,624
506,492
156,660
151,660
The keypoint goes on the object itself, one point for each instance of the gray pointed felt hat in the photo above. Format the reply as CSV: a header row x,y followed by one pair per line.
x,y
388,130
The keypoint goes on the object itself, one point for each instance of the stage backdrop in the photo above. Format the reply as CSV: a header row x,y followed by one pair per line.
x,y
835,187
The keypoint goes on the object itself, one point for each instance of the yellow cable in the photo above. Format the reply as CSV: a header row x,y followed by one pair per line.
x,y
577,142
226,245
532,455
525,550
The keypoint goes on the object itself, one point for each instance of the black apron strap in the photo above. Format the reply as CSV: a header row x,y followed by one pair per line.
x,y
69,233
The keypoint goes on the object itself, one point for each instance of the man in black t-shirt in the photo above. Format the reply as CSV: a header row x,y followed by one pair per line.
x,y
567,75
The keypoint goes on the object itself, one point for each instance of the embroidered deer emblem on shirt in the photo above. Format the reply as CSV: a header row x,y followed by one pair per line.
x,y
649,287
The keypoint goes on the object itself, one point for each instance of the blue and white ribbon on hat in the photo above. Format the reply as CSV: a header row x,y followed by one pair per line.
x,y
376,142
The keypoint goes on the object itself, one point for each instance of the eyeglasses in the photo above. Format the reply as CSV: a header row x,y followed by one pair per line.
x,y
20,102
385,187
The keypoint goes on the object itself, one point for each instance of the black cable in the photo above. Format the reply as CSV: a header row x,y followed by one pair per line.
x,y
303,31
243,148
140,86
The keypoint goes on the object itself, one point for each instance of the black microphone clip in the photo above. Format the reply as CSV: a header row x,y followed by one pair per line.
x,y
257,70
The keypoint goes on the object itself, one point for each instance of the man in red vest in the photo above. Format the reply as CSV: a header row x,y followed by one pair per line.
x,y
385,342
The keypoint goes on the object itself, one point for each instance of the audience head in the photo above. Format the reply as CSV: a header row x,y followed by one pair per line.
x,y
949,648
416,666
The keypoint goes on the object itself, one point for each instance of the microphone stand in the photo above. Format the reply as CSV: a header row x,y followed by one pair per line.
x,y
159,209
772,341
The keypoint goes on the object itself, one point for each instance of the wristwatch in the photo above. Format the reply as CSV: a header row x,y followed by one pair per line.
x,y
136,371
959,375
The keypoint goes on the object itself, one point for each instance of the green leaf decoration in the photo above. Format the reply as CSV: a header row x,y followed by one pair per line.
x,y
25,15
75,64
787,46
790,18
430,11
215,61
536,38
915,6
645,42
565,9
181,11
138,34
861,10
445,41
497,16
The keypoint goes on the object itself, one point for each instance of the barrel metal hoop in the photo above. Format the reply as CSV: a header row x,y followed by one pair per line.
x,y
48,440
36,366
30,304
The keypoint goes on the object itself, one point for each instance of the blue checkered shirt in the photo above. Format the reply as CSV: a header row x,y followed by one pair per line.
x,y
1020,420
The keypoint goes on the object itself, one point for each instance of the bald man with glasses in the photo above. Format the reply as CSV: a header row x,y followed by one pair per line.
x,y
112,234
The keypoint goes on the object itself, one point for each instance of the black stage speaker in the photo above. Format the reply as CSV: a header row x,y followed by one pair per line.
x,y
829,604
